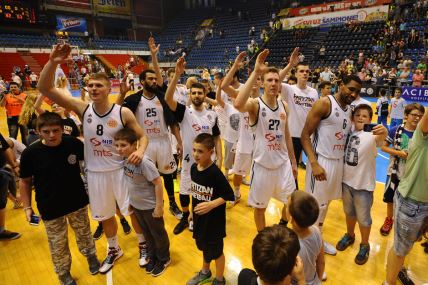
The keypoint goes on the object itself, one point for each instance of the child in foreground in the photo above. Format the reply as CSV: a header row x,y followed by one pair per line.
x,y
210,191
146,198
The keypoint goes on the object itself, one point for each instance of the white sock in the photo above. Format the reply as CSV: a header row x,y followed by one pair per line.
x,y
141,238
237,191
113,242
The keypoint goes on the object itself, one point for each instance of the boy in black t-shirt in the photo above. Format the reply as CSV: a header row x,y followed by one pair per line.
x,y
210,191
52,164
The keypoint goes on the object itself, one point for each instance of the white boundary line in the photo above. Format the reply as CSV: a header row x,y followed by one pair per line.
x,y
109,277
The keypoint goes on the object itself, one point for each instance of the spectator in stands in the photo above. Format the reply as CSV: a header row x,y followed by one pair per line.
x,y
404,75
13,103
16,79
27,70
325,88
33,79
326,75
252,31
2,86
417,78
322,52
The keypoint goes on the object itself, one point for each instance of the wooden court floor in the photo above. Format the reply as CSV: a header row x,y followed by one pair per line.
x,y
27,259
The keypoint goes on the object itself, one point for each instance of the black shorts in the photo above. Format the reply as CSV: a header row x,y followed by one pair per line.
x,y
388,195
211,249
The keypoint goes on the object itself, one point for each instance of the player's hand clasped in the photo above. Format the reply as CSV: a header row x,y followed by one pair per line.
x,y
203,208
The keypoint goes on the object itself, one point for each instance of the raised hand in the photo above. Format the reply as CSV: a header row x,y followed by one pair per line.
x,y
61,54
181,65
124,87
154,49
260,65
294,57
239,61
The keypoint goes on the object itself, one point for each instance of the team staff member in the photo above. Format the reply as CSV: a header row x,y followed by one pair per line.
x,y
101,120
50,162
13,103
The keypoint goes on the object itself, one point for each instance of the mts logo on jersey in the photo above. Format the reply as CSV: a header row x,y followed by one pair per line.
x,y
272,140
199,128
97,147
339,136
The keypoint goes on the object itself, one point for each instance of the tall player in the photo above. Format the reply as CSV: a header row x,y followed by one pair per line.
x,y
193,120
274,168
300,98
329,121
155,117
101,120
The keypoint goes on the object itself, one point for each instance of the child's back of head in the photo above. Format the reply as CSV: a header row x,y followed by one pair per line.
x,y
303,209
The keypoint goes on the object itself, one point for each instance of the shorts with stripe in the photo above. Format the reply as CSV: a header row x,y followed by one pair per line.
x,y
268,183
160,152
229,154
330,189
242,163
105,189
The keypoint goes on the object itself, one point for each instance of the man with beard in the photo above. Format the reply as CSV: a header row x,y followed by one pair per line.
x,y
329,121
155,117
193,120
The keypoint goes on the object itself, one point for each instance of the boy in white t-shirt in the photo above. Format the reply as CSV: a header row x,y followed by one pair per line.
x,y
397,109
359,179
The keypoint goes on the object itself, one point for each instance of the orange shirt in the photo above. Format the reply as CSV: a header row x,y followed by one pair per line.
x,y
14,105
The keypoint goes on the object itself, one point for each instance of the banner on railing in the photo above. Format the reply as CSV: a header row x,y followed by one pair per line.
x,y
377,13
415,93
70,24
331,7
113,6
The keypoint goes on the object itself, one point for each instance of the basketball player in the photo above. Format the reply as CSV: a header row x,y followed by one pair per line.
x,y
274,168
193,120
154,117
101,120
300,98
329,121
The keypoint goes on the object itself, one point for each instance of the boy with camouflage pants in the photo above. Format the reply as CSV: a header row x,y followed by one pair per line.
x,y
52,164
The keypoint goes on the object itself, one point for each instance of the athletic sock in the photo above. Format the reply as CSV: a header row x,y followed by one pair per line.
x,y
237,190
168,182
141,238
205,271
113,242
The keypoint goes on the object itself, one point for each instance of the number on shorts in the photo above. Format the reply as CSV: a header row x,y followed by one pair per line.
x,y
187,158
100,130
351,157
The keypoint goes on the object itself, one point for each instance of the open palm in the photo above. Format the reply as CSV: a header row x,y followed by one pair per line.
x,y
60,54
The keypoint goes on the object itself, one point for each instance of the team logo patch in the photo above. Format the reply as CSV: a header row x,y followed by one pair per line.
x,y
339,135
282,116
209,117
112,123
95,142
89,120
72,159
337,114
148,123
263,114
158,103
196,127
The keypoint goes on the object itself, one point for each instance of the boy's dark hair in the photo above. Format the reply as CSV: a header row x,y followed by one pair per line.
x,y
363,107
301,64
13,83
348,78
197,85
303,209
49,119
382,92
206,140
398,89
143,74
274,253
293,78
413,106
126,134
324,84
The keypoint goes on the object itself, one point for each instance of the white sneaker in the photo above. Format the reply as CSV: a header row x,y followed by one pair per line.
x,y
143,260
324,276
246,182
112,255
191,226
329,248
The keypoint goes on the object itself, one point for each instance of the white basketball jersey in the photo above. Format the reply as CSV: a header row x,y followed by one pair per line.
x,y
245,140
100,153
300,102
150,116
193,124
270,150
329,139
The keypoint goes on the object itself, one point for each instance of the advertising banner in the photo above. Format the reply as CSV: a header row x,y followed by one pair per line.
x,y
71,24
332,7
122,7
415,93
327,19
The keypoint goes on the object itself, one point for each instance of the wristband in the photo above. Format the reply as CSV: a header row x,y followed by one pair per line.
x,y
27,208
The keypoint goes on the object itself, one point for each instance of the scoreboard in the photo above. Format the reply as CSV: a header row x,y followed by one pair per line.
x,y
18,11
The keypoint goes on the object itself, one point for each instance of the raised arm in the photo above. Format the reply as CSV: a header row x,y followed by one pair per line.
x,y
218,96
154,49
60,54
242,102
130,122
320,109
294,60
38,104
169,95
423,124
123,90
227,80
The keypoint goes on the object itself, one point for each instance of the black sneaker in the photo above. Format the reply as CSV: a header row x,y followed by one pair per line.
x,y
94,264
404,278
151,265
125,226
181,226
283,222
160,267
8,235
175,211
113,255
98,232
